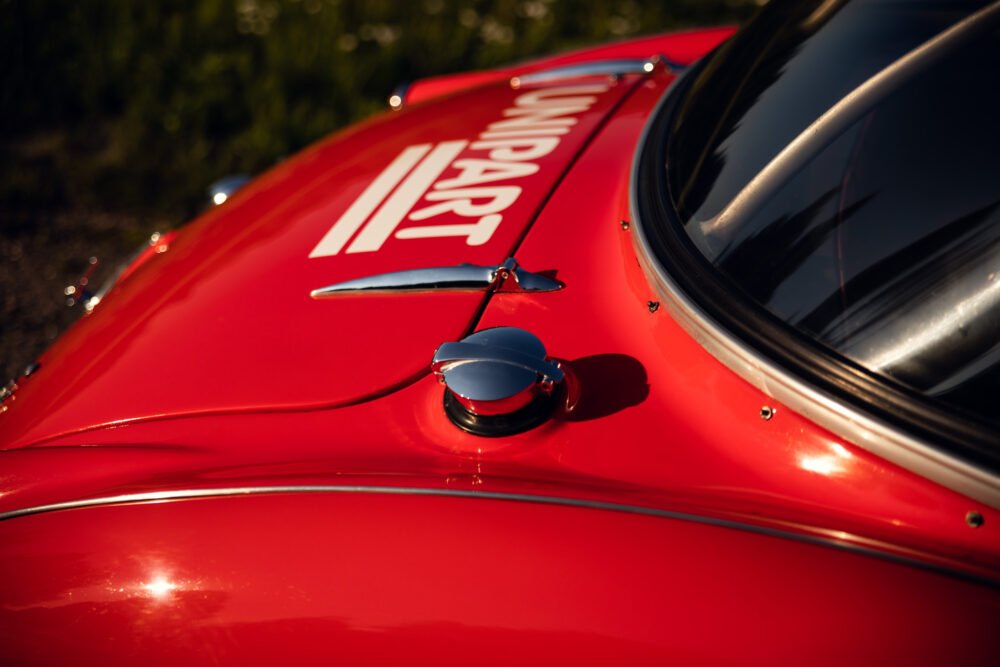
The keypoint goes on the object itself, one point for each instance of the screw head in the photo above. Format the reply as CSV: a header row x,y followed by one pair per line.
x,y
767,412
653,306
974,519
625,225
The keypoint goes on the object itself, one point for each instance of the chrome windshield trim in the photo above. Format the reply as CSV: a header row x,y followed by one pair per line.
x,y
826,538
507,277
857,427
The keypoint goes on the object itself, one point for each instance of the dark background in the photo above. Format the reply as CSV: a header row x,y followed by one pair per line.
x,y
116,115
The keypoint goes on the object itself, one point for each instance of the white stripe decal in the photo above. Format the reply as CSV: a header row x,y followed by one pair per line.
x,y
352,219
533,131
529,130
384,223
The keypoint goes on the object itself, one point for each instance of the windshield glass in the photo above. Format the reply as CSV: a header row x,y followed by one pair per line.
x,y
882,240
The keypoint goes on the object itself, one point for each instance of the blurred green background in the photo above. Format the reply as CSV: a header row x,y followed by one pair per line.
x,y
115,115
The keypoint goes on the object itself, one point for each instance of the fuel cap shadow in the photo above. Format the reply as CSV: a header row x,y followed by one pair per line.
x,y
606,384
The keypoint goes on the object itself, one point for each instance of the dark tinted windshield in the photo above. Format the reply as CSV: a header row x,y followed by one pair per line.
x,y
882,243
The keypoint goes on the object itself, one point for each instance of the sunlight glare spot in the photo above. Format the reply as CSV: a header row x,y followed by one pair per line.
x,y
159,587
823,465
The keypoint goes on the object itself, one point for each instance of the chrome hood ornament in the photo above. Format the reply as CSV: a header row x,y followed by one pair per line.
x,y
613,68
507,277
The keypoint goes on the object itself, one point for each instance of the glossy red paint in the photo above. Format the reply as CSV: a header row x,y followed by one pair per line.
x,y
224,321
158,244
337,393
382,579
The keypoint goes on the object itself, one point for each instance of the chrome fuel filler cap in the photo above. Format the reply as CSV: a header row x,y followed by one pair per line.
x,y
497,381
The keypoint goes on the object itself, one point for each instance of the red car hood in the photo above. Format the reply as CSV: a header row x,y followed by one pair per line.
x,y
223,321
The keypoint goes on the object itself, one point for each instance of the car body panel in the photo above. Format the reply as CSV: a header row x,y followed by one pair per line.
x,y
654,416
223,320
654,508
380,578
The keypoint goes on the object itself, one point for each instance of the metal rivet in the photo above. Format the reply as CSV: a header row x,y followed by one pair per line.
x,y
625,225
767,412
974,519
653,306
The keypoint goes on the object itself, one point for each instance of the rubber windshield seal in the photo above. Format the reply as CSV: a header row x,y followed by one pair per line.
x,y
722,305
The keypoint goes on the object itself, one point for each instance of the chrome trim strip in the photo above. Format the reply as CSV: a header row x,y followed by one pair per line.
x,y
612,68
464,277
832,541
595,68
825,410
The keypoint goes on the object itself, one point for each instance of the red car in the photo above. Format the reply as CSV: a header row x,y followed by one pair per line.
x,y
736,400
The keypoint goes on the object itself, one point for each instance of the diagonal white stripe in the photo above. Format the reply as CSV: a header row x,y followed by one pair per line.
x,y
352,219
525,131
384,223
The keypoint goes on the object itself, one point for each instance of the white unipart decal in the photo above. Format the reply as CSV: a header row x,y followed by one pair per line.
x,y
411,187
